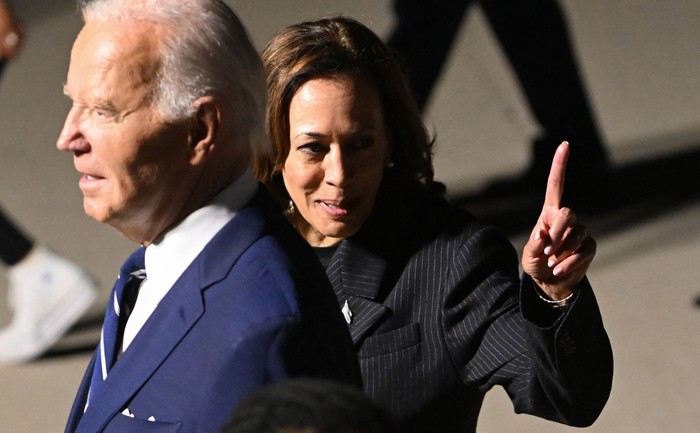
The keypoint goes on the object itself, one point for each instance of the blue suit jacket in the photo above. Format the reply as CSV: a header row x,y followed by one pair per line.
x,y
254,307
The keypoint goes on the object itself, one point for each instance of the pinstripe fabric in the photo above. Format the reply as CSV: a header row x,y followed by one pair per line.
x,y
437,322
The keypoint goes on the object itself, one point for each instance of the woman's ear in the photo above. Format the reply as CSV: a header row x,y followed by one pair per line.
x,y
204,128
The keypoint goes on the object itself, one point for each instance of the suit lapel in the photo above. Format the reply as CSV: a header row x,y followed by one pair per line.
x,y
367,265
166,327
356,276
78,408
177,312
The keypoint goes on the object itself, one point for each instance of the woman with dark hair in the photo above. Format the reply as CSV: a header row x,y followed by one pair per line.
x,y
432,297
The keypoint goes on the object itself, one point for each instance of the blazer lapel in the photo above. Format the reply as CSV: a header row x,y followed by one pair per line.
x,y
175,315
356,276
367,265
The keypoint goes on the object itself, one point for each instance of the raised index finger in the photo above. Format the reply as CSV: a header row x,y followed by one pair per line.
x,y
555,182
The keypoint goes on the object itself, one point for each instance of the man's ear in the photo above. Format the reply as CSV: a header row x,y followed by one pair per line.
x,y
204,128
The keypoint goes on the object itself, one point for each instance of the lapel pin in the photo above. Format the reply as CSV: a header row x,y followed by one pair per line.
x,y
347,312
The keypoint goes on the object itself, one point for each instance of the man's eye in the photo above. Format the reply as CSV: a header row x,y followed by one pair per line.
x,y
102,113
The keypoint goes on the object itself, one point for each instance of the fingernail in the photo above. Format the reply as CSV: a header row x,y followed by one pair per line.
x,y
538,235
11,39
548,250
550,263
556,272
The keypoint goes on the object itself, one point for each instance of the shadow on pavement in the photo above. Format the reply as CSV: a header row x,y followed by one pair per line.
x,y
638,192
81,339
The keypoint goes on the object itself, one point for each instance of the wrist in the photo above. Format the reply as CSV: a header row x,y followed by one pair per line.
x,y
554,303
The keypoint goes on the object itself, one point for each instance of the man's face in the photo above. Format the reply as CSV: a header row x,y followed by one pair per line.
x,y
135,167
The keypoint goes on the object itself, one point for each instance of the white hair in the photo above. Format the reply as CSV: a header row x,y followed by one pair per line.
x,y
206,52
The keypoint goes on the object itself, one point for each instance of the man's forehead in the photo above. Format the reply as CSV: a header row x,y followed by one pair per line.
x,y
125,39
107,60
130,51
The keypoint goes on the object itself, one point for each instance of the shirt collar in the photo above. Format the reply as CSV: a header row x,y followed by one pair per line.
x,y
168,258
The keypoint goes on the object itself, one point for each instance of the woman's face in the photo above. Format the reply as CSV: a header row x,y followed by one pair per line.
x,y
338,150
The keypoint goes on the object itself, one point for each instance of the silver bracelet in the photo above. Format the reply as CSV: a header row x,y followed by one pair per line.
x,y
561,303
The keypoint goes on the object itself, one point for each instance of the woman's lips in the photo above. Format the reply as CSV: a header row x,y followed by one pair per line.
x,y
334,209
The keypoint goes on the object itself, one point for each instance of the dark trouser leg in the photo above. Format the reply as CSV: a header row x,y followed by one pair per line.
x,y
14,245
423,36
534,36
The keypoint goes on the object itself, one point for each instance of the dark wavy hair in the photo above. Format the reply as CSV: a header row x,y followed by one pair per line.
x,y
331,47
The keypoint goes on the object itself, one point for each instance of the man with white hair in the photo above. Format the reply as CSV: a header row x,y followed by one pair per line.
x,y
168,102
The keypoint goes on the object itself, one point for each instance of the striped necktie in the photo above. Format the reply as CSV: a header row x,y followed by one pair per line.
x,y
121,303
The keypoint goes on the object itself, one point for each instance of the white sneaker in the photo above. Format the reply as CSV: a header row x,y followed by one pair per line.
x,y
48,294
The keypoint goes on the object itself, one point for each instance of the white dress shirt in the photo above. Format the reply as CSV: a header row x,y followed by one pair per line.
x,y
169,257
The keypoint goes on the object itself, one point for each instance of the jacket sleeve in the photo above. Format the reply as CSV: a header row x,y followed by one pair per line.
x,y
573,362
555,364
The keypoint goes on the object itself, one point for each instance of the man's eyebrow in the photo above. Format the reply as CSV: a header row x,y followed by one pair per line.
x,y
101,104
105,105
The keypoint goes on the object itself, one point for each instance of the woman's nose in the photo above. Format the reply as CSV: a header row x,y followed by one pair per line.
x,y
337,168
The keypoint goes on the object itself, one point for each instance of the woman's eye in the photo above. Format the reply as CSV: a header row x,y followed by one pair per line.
x,y
313,148
363,143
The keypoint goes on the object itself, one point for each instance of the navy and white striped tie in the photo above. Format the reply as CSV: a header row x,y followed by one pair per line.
x,y
121,303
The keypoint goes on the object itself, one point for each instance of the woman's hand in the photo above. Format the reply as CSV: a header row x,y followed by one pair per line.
x,y
559,250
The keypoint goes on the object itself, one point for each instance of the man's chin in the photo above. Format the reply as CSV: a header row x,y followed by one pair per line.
x,y
95,212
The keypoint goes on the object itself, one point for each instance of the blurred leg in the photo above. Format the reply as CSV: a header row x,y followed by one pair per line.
x,y
534,36
47,293
423,36
14,245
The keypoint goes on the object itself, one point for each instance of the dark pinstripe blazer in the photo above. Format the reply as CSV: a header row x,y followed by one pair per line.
x,y
436,321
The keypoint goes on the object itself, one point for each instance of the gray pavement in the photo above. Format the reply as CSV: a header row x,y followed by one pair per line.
x,y
643,72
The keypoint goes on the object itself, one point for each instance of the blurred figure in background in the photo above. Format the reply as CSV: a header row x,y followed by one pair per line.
x,y
534,37
47,293
11,33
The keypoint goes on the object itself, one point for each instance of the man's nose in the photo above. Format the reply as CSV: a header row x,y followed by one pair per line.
x,y
70,139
